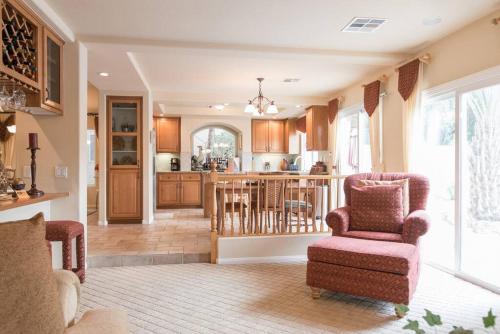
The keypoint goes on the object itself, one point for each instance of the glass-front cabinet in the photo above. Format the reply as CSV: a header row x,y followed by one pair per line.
x,y
125,131
52,90
124,148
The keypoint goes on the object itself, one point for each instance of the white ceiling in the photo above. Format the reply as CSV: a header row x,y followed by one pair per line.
x,y
193,53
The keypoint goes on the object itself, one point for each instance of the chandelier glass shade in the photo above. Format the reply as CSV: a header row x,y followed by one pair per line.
x,y
260,103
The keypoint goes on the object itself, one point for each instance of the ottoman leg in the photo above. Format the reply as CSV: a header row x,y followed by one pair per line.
x,y
66,245
315,292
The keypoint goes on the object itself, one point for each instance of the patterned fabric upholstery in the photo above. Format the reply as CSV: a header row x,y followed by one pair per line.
x,y
385,256
386,265
377,208
419,186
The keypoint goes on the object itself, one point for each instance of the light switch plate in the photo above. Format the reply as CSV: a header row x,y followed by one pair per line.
x,y
27,172
61,171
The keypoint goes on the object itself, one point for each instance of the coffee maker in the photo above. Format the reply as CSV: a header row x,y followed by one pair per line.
x,y
175,165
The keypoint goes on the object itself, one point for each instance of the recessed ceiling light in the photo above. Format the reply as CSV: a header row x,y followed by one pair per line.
x,y
104,74
291,80
226,104
299,106
364,24
430,21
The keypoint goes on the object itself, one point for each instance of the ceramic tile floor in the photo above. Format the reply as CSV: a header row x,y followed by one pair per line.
x,y
183,234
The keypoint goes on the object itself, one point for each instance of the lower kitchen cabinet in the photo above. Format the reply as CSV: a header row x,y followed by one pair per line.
x,y
178,190
124,201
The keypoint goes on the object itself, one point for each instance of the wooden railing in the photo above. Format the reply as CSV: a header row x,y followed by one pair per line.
x,y
263,205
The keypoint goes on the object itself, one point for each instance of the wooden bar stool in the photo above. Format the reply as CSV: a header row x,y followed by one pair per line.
x,y
65,231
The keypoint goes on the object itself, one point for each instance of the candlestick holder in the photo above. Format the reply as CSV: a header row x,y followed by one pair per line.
x,y
34,192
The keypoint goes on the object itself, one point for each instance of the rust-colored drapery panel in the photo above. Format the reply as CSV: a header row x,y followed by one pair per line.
x,y
408,76
371,96
333,109
96,126
301,124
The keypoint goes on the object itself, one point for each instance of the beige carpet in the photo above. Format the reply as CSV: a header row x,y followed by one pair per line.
x,y
267,298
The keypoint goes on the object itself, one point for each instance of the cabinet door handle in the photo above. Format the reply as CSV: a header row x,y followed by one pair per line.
x,y
46,94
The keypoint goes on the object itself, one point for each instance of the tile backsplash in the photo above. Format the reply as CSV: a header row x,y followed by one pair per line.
x,y
163,161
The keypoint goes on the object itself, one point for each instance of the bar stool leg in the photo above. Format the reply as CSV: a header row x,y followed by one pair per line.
x,y
66,244
80,257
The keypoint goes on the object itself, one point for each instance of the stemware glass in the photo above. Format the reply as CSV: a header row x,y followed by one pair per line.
x,y
19,98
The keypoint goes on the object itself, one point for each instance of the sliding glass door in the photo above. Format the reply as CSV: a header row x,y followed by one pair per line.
x,y
480,184
457,145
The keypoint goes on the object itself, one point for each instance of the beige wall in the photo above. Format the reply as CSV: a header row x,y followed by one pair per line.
x,y
474,48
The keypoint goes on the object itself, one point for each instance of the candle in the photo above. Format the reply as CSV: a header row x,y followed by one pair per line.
x,y
33,140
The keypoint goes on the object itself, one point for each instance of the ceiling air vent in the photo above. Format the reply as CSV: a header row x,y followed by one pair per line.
x,y
364,24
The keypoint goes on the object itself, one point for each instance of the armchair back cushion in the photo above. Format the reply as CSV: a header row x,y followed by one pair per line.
x,y
28,290
377,208
418,188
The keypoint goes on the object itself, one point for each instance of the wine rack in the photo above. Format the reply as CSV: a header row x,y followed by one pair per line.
x,y
20,44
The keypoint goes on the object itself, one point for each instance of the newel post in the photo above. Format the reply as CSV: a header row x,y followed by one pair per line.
x,y
213,216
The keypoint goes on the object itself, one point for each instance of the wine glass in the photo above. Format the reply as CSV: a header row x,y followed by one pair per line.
x,y
4,97
19,98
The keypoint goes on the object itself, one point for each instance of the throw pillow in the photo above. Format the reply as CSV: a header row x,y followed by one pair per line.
x,y
377,208
404,183
28,290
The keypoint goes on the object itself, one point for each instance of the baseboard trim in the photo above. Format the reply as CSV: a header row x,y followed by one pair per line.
x,y
266,259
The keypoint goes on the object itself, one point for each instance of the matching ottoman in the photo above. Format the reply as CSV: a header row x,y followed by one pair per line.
x,y
369,268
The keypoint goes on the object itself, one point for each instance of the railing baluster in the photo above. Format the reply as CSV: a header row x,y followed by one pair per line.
x,y
282,208
298,207
257,219
250,211
290,206
315,204
266,205
242,210
223,200
275,198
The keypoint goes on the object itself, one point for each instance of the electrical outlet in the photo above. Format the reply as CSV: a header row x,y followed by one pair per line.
x,y
61,171
27,172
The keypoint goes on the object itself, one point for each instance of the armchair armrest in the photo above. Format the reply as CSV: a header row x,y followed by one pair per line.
x,y
415,225
338,220
68,288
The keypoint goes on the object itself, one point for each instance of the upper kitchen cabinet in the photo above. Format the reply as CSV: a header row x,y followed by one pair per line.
x,y
31,58
53,67
168,134
292,142
317,128
21,44
268,136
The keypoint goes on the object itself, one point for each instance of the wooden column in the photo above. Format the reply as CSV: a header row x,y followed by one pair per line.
x,y
213,221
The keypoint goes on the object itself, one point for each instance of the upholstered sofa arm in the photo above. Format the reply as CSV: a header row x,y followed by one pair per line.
x,y
101,322
338,220
68,288
415,225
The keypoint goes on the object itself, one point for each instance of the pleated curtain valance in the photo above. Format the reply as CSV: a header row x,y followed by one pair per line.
x,y
333,109
301,124
371,96
408,76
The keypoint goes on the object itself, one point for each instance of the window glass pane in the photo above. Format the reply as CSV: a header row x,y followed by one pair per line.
x,y
480,202
348,141
434,156
91,157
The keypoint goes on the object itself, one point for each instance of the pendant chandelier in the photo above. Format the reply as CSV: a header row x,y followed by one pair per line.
x,y
258,104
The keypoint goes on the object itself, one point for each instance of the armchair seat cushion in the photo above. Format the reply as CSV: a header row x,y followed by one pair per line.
x,y
101,321
371,235
383,256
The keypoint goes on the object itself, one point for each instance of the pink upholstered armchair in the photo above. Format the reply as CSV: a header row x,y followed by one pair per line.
x,y
415,224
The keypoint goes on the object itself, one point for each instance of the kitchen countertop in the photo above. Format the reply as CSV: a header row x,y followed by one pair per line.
x,y
15,203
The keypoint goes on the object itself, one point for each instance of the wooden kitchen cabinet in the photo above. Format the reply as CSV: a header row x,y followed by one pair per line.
x,y
124,156
124,195
168,134
178,190
317,128
268,136
292,142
